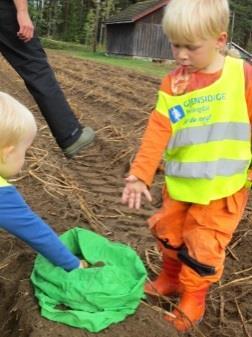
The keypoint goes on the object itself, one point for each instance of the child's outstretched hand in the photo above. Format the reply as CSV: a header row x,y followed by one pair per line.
x,y
132,192
83,264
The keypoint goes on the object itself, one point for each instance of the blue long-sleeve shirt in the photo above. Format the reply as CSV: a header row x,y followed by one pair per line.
x,y
17,218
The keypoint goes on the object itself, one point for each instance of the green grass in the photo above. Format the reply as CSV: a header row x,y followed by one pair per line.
x,y
142,66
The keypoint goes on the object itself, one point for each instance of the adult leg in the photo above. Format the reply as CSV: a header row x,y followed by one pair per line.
x,y
30,62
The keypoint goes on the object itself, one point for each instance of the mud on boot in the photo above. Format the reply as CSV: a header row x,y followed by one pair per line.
x,y
189,311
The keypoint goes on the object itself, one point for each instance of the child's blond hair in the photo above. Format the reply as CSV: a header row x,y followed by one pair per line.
x,y
186,21
15,121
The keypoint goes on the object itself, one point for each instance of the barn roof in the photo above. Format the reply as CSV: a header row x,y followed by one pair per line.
x,y
136,11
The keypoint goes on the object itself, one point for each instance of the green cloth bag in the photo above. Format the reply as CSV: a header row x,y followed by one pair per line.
x,y
95,297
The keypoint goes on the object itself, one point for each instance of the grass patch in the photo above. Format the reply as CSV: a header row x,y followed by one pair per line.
x,y
142,66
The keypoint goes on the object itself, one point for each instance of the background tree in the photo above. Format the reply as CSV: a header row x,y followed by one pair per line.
x,y
76,20
242,22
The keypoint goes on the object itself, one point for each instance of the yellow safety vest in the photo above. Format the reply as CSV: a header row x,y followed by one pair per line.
x,y
209,152
3,182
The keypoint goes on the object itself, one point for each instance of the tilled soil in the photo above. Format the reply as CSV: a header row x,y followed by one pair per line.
x,y
86,191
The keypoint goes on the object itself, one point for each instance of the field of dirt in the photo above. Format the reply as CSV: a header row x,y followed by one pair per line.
x,y
86,192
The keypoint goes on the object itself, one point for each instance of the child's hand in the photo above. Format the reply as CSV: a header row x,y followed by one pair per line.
x,y
133,191
83,264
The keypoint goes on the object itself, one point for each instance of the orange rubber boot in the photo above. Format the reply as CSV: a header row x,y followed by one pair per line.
x,y
191,310
167,283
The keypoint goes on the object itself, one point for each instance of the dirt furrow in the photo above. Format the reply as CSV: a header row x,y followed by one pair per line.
x,y
86,192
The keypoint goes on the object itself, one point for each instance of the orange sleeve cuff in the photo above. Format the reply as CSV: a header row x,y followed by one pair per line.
x,y
154,142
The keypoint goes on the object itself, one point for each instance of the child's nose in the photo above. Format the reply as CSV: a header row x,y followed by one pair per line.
x,y
182,54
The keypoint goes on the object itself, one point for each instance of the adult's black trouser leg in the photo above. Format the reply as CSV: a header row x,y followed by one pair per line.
x,y
30,62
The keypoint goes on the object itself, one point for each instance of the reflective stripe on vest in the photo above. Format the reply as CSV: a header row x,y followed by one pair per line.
x,y
3,182
209,152
206,170
210,133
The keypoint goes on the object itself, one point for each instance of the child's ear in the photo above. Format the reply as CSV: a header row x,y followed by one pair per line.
x,y
5,152
221,40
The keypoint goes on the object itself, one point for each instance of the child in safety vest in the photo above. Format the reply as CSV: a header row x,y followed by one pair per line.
x,y
201,126
17,131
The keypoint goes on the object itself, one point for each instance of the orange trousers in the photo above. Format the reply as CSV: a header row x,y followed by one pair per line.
x,y
205,231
